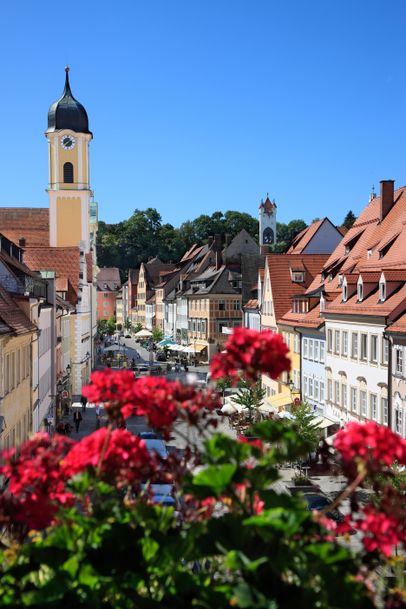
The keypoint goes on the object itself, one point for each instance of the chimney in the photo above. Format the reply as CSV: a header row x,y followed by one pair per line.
x,y
219,260
387,198
217,242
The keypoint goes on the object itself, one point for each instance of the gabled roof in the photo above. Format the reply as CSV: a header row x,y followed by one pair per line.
x,y
283,288
108,278
251,304
64,261
304,237
311,319
12,318
371,305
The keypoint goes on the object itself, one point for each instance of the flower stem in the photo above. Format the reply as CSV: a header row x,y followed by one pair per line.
x,y
346,492
104,448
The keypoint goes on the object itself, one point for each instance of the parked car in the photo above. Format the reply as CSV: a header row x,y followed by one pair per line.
x,y
148,435
319,502
154,444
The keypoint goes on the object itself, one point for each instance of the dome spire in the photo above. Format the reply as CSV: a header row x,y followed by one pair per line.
x,y
67,90
67,112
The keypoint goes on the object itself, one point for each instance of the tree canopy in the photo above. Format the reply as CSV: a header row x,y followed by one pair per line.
x,y
132,241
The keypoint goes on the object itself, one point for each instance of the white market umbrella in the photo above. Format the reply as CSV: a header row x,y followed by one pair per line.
x,y
143,334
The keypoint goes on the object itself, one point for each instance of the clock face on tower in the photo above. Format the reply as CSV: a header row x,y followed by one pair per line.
x,y
68,142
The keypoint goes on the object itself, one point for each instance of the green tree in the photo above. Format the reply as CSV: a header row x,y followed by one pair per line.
x,y
308,430
127,324
157,334
111,326
137,327
349,219
250,396
102,326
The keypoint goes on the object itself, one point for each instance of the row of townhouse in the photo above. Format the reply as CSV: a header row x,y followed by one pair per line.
x,y
343,315
197,301
34,347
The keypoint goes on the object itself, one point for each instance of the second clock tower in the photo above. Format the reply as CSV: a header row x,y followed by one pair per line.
x,y
69,191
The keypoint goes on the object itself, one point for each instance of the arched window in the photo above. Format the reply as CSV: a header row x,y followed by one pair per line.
x,y
268,236
68,173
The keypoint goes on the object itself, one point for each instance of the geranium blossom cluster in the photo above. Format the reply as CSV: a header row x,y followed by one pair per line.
x,y
122,457
36,481
249,353
367,449
369,446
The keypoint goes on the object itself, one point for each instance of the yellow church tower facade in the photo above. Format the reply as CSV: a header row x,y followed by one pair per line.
x,y
69,191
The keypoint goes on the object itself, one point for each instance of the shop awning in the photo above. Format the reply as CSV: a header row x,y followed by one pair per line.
x,y
324,422
196,348
280,400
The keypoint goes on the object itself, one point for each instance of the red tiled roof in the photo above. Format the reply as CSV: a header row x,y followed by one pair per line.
x,y
283,288
12,316
29,223
370,305
108,278
311,319
251,304
64,261
399,326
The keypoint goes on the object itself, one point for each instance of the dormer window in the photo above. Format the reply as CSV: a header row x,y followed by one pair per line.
x,y
104,286
298,276
322,303
345,291
360,290
382,290
347,250
369,253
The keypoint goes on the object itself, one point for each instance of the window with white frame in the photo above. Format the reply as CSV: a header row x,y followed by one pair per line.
x,y
316,389
310,387
305,340
353,399
344,345
337,341
363,403
316,350
336,392
354,345
398,421
373,353
321,391
305,385
360,292
385,350
322,351
364,346
399,360
382,290
330,341
330,390
311,348
344,395
384,408
373,404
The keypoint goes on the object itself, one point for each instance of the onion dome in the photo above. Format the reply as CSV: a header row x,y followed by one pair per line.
x,y
67,112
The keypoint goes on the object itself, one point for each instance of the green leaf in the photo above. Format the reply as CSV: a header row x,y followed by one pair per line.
x,y
71,566
215,477
88,577
149,548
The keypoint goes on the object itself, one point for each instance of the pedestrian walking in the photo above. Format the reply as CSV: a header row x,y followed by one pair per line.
x,y
68,429
77,418
98,416
83,401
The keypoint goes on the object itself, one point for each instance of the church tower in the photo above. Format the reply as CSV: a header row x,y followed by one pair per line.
x,y
267,222
69,191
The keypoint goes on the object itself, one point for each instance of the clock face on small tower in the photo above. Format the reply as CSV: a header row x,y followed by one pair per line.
x,y
68,142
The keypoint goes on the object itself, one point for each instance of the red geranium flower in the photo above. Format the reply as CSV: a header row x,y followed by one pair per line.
x,y
115,388
369,445
249,354
123,457
36,482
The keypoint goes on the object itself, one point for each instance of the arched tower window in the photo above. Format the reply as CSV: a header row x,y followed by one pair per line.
x,y
68,173
268,236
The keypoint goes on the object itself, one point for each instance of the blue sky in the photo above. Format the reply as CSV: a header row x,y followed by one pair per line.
x,y
206,105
